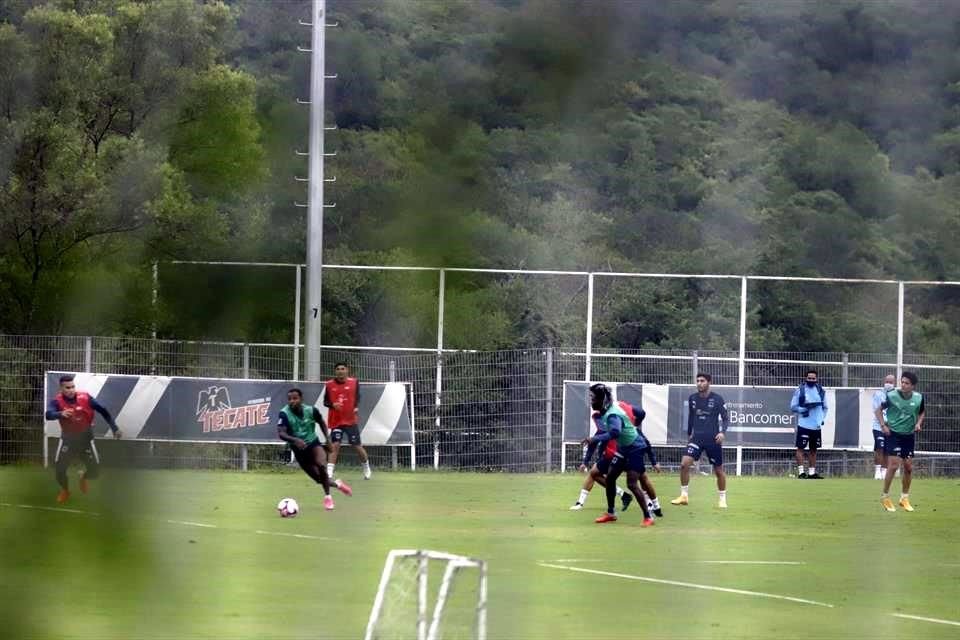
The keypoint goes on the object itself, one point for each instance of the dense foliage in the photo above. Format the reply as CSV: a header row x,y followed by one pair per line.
x,y
800,138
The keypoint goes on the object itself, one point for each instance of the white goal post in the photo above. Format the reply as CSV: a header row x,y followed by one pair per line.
x,y
405,592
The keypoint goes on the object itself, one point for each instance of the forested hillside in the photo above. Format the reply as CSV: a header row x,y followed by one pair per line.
x,y
777,138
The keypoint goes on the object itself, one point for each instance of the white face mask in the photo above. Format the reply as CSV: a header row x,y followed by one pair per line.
x,y
888,386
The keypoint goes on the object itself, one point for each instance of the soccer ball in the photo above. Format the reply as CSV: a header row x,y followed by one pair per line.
x,y
288,508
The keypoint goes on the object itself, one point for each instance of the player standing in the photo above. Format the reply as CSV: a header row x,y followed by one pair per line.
x,y
901,421
297,426
342,397
810,402
74,410
879,452
706,425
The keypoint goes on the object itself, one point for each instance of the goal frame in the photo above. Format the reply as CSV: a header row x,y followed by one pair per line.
x,y
425,630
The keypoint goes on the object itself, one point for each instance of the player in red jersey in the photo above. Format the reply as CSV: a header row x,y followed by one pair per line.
x,y
342,398
74,410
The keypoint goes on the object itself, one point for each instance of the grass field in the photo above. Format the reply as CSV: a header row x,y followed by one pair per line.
x,y
142,567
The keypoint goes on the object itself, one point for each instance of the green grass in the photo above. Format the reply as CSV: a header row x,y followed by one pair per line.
x,y
130,573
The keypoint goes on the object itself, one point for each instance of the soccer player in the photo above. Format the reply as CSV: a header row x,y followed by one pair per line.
x,y
706,425
629,454
902,419
879,454
343,399
810,403
598,470
74,410
297,426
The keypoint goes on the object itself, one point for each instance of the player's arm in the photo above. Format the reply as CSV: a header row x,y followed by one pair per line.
x,y
879,413
691,416
53,411
283,432
920,416
356,400
99,408
795,402
323,427
724,422
652,456
612,432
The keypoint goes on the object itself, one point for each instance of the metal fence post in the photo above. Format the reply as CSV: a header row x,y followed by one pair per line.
x,y
696,364
246,362
549,410
243,457
739,460
392,377
88,354
845,371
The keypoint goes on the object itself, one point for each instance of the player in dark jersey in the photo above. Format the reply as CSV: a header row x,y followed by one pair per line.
x,y
74,411
297,426
706,426
597,471
342,398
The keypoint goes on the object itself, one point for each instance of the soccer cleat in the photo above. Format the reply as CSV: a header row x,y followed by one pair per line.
x,y
576,506
625,499
367,472
607,517
722,503
905,504
343,487
815,476
63,496
84,485
680,500
658,512
802,476
328,503
647,522
888,504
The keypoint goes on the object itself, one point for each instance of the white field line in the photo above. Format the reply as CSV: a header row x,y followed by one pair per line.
x,y
749,562
63,509
921,618
292,535
576,560
192,524
689,585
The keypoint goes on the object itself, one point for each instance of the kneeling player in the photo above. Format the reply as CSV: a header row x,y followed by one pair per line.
x,y
297,425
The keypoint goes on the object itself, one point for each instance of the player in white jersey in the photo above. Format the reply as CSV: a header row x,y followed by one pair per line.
x,y
879,455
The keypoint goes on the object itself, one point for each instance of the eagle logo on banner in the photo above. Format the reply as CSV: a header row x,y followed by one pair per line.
x,y
212,399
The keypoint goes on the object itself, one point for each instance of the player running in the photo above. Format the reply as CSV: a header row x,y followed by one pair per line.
x,y
630,450
74,410
342,398
297,425
707,423
900,423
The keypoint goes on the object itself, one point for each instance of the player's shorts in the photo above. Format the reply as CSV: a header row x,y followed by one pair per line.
x,y
878,441
603,464
306,454
352,432
808,437
900,444
635,458
713,450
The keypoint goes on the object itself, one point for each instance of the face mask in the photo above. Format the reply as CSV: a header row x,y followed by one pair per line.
x,y
811,384
888,386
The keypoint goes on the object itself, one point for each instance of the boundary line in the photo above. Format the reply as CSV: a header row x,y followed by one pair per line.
x,y
293,535
689,585
792,562
192,524
922,619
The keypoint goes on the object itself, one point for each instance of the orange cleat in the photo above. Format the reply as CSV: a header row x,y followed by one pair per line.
x,y
647,522
84,485
343,487
607,517
63,496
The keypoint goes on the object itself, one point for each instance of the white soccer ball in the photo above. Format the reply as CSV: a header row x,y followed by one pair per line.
x,y
288,508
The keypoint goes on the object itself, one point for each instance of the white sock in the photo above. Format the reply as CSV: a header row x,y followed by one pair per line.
x,y
684,489
812,471
904,496
799,469
330,467
884,495
583,496
619,491
366,465
656,503
723,494
876,469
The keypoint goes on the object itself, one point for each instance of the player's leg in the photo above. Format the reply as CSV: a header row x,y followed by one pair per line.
x,y
692,453
635,468
893,462
617,465
61,464
653,502
336,437
91,463
906,471
585,489
879,455
354,434
815,442
802,440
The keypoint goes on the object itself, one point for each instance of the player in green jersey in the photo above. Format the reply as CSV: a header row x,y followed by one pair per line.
x,y
900,417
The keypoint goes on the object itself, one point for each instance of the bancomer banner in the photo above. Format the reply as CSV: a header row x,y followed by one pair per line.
x,y
759,416
222,409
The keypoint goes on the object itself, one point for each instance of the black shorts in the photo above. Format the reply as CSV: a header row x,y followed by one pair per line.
x,y
713,450
878,441
809,437
305,455
603,464
900,444
352,432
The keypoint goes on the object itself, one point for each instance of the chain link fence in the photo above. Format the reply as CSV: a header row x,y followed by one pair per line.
x,y
481,411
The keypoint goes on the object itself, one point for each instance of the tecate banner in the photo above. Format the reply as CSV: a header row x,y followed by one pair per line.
x,y
224,409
